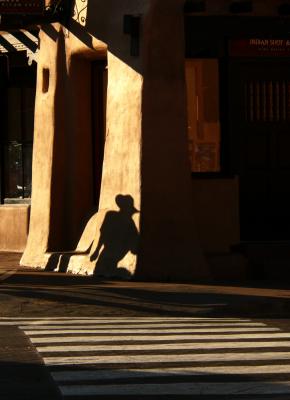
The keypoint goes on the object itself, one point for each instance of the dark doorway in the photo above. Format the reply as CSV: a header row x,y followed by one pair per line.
x,y
259,110
99,99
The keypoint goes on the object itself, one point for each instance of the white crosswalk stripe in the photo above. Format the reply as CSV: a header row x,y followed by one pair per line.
x,y
197,357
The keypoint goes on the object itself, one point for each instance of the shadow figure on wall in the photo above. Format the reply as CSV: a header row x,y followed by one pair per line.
x,y
118,236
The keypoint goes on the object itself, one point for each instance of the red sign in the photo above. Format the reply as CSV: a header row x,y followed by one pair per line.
x,y
259,47
21,6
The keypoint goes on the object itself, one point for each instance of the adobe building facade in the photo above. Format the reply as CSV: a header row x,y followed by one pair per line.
x,y
160,137
143,215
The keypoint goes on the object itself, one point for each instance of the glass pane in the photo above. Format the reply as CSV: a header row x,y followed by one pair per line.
x,y
27,169
28,96
14,114
202,80
13,171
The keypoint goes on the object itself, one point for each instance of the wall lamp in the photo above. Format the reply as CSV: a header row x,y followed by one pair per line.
x,y
131,26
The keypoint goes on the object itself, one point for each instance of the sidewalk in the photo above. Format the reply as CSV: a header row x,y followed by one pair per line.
x,y
28,292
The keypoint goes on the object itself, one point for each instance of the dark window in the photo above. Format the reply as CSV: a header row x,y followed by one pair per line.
x,y
18,81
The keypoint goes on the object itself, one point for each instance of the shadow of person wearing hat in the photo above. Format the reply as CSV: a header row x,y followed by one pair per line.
x,y
118,236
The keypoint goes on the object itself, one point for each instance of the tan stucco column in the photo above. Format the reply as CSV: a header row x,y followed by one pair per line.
x,y
169,247
51,71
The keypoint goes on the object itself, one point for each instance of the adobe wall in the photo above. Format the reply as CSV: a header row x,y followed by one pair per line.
x,y
217,202
146,185
14,222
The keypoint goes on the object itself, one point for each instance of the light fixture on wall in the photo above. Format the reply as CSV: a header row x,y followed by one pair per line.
x,y
241,6
131,26
194,6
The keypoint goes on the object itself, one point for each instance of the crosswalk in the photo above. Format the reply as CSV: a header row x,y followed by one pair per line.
x,y
152,356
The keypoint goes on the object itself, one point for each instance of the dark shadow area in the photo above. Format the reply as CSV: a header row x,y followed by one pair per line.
x,y
118,236
41,277
70,211
79,31
26,388
50,31
79,295
59,234
60,260
124,376
54,260
25,381
23,374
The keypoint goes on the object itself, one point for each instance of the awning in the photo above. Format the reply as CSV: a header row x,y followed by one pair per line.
x,y
20,40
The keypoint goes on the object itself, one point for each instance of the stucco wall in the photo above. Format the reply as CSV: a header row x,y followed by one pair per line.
x,y
14,224
216,202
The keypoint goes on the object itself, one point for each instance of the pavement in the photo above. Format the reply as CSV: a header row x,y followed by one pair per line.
x,y
23,373
30,293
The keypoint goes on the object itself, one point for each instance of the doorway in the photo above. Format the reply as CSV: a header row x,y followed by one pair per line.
x,y
99,79
259,114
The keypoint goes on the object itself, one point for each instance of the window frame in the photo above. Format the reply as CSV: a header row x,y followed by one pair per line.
x,y
225,171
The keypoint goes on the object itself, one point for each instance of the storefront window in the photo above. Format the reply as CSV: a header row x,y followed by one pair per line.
x,y
13,171
202,80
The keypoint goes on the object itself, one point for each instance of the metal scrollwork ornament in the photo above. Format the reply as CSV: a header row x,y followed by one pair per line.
x,y
80,11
